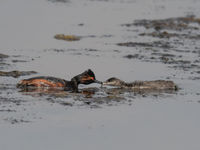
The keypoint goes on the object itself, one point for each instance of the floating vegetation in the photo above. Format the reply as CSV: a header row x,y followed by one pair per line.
x,y
180,37
180,23
135,56
166,34
16,73
159,44
15,121
174,25
67,37
2,56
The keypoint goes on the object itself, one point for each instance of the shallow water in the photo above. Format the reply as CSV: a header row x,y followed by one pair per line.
x,y
102,120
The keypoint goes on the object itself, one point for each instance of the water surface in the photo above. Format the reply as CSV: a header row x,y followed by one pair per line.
x,y
128,121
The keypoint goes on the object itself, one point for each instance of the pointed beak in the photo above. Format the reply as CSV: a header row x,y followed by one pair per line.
x,y
105,83
99,82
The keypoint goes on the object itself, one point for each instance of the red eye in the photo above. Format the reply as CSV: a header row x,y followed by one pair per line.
x,y
88,78
92,78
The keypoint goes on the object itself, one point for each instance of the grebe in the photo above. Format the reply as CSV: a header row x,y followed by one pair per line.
x,y
87,77
142,85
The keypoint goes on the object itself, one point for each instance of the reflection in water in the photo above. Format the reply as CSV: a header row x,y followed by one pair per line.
x,y
118,91
57,92
93,91
92,96
59,1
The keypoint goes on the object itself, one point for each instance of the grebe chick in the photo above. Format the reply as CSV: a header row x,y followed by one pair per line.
x,y
142,85
87,77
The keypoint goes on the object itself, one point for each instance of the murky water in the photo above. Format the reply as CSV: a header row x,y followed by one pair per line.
x,y
111,44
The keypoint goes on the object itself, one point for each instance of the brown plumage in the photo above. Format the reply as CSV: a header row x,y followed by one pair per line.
x,y
142,85
86,77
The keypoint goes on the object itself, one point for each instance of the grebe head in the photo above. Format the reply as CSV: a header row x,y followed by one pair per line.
x,y
113,82
87,77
